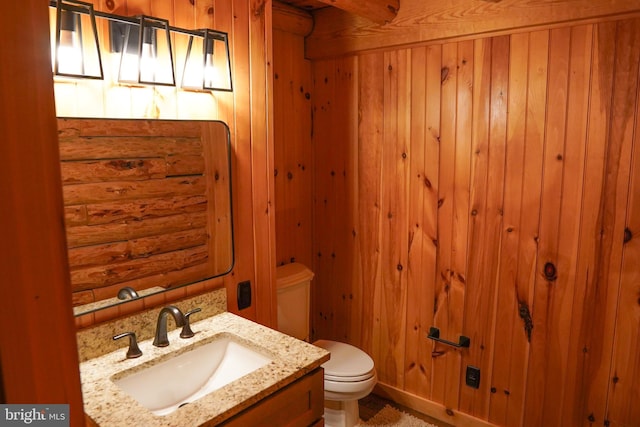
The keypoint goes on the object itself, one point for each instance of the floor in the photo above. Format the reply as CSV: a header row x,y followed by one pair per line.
x,y
370,405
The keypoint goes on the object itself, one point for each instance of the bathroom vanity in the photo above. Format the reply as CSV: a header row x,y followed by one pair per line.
x,y
287,389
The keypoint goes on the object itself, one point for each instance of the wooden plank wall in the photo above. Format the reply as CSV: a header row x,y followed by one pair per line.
x,y
248,24
38,357
293,162
488,187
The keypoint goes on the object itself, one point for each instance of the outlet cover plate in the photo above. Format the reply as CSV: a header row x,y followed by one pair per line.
x,y
473,376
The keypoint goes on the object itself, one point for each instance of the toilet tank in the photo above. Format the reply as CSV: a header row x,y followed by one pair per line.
x,y
294,290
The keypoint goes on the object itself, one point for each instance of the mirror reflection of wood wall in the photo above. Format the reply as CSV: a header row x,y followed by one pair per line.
x,y
147,204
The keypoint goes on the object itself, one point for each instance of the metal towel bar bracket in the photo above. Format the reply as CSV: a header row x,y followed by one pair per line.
x,y
434,334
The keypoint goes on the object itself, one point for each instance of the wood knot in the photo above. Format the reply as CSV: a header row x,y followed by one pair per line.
x,y
550,272
210,11
110,4
525,315
444,74
628,235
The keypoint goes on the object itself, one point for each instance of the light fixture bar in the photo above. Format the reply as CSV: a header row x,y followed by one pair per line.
x,y
211,39
134,20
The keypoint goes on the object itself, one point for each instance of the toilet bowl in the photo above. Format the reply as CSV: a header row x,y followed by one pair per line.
x,y
349,374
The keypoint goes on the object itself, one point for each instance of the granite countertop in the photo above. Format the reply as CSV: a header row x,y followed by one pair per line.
x,y
108,405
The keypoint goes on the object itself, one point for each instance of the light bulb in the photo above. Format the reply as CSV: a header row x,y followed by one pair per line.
x,y
148,63
210,72
69,54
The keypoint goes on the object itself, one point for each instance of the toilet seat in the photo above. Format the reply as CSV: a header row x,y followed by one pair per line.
x,y
348,364
353,379
351,387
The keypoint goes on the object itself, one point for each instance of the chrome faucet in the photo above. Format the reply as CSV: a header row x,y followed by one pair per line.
x,y
161,339
127,292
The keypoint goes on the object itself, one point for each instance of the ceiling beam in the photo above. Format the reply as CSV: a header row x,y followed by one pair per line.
x,y
291,19
378,11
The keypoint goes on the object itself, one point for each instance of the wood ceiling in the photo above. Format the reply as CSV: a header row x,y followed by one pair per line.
x,y
378,11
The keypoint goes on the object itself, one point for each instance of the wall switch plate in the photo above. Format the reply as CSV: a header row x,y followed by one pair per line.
x,y
473,376
244,295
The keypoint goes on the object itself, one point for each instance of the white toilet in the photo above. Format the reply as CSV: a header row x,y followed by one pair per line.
x,y
350,373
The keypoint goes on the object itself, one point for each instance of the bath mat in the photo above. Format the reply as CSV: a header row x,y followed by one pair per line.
x,y
389,416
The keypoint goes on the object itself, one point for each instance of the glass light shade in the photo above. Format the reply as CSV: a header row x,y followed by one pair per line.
x,y
145,50
207,64
76,52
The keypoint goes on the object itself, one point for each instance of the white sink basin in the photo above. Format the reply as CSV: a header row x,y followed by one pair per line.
x,y
164,387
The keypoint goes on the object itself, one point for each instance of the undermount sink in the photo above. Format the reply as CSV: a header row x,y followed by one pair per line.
x,y
164,387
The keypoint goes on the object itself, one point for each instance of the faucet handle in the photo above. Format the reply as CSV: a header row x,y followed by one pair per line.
x,y
134,350
186,329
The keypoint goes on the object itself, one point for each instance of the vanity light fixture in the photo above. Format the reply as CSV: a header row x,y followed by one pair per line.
x,y
77,54
207,65
145,51
144,45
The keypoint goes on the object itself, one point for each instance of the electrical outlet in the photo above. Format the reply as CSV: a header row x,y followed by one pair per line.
x,y
244,295
473,376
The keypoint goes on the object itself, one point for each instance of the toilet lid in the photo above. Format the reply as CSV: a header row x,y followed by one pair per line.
x,y
346,361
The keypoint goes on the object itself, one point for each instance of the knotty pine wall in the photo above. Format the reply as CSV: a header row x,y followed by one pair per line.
x,y
293,151
447,179
245,110
38,356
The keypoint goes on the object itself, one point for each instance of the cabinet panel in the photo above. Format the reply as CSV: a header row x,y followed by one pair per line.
x,y
298,405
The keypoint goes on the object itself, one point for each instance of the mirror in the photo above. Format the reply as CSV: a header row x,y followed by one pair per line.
x,y
147,206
